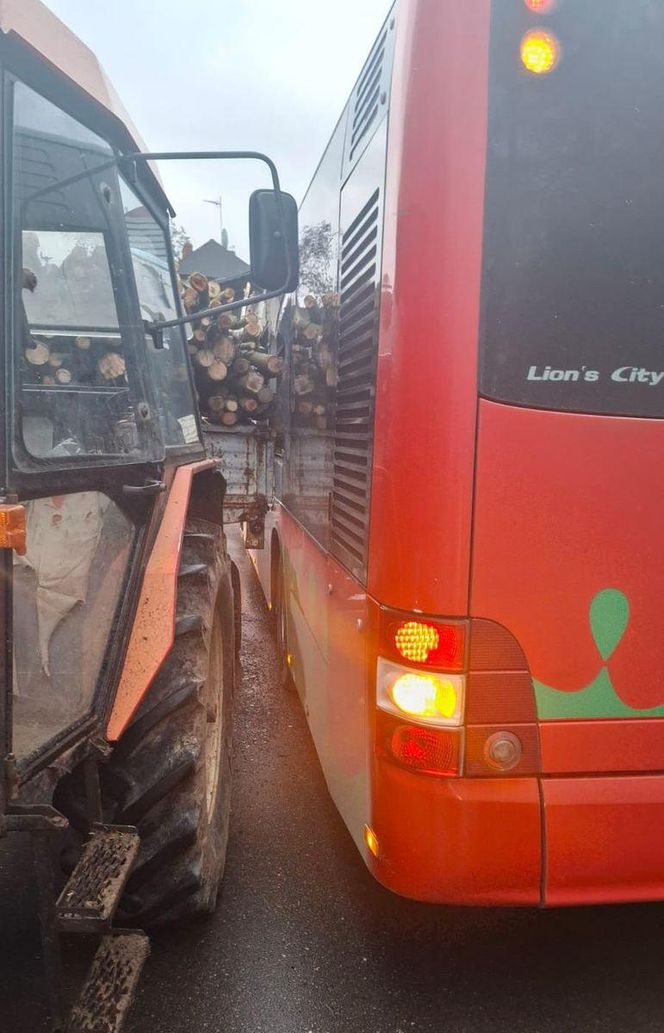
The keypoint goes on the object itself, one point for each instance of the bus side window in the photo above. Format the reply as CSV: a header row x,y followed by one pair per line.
x,y
312,328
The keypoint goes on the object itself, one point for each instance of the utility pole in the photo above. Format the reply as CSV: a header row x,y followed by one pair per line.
x,y
218,204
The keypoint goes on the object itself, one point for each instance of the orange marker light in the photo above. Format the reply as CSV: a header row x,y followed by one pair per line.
x,y
371,839
12,528
540,52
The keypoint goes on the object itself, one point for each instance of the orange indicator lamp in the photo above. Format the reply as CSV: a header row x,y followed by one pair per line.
x,y
540,52
371,839
419,640
12,528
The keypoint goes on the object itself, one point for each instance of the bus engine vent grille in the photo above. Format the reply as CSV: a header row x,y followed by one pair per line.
x,y
356,377
367,96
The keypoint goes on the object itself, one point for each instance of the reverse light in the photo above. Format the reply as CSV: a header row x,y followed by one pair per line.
x,y
12,528
422,695
540,51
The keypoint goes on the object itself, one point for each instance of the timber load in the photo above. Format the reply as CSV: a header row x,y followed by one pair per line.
x,y
234,372
313,367
50,361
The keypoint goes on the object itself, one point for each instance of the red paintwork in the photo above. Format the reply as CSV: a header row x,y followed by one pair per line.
x,y
423,469
604,841
459,841
330,667
569,747
551,510
567,505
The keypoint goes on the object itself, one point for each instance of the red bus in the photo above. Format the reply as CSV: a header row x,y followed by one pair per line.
x,y
465,557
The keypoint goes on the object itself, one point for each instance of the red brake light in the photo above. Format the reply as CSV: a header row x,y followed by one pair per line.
x,y
540,6
428,751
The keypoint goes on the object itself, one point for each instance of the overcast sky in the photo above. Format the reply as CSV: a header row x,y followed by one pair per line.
x,y
266,75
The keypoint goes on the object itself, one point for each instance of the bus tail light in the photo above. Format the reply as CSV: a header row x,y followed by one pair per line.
x,y
427,751
421,640
502,733
474,715
429,697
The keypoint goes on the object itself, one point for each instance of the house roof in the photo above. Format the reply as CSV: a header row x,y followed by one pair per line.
x,y
215,261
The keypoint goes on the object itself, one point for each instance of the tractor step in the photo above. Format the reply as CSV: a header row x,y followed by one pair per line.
x,y
92,894
106,997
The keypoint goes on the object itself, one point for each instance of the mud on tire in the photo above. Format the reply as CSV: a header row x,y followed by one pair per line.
x,y
170,774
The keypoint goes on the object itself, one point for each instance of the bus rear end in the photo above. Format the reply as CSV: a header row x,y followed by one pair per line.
x,y
519,742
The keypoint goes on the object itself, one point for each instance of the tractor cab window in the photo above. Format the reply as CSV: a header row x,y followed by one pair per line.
x,y
66,592
168,364
79,347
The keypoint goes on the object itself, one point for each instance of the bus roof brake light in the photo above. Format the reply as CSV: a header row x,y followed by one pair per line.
x,y
540,52
540,6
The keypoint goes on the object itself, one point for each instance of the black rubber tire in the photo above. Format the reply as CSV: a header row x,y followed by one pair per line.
x,y
158,774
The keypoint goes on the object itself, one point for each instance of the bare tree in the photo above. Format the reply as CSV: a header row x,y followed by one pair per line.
x,y
179,240
317,259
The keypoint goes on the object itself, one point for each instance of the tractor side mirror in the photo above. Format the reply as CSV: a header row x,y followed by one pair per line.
x,y
273,241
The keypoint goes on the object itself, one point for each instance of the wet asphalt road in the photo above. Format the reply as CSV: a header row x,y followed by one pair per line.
x,y
306,942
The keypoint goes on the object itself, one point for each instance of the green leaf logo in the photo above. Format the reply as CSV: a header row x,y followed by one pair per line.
x,y
609,615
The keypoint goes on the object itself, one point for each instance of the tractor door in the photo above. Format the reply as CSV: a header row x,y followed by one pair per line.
x,y
93,409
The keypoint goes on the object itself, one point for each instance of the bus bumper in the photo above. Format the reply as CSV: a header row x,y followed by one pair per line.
x,y
458,841
481,841
604,839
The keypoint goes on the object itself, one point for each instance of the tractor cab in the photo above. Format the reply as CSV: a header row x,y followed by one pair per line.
x,y
101,400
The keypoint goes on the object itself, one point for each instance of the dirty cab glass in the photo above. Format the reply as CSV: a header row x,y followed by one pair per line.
x,y
168,363
76,324
66,592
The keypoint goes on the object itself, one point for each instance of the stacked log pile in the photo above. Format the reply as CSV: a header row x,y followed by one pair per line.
x,y
234,371
70,361
313,372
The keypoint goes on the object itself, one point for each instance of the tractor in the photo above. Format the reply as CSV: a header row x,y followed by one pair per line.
x,y
119,604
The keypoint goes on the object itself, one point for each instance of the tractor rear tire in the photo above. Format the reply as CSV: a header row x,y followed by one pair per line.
x,y
170,773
